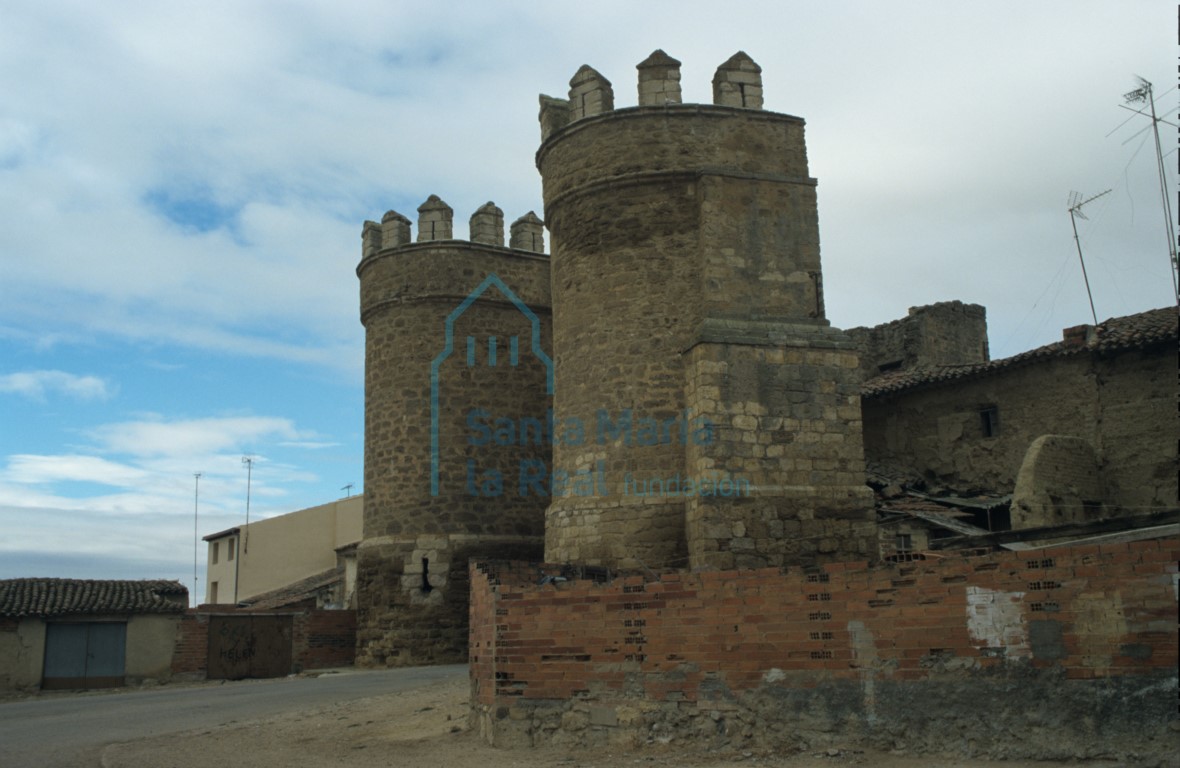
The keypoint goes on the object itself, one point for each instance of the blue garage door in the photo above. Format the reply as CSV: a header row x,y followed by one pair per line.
x,y
84,655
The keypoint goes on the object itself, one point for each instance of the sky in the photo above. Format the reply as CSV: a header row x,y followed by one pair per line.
x,y
183,186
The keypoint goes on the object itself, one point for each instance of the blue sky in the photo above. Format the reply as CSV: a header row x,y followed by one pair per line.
x,y
182,188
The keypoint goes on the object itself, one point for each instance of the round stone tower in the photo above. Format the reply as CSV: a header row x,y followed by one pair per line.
x,y
685,258
456,356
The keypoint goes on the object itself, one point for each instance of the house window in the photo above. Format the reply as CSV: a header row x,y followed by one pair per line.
x,y
231,548
213,591
904,542
216,552
989,417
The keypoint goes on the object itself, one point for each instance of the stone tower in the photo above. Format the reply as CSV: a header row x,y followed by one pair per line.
x,y
702,391
456,347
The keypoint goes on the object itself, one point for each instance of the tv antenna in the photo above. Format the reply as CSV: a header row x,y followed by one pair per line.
x,y
348,489
1144,95
1075,212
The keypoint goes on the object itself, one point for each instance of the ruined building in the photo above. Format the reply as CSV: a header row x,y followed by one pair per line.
x,y
662,390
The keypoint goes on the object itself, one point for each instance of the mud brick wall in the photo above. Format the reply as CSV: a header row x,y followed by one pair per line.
x,y
1116,403
1048,654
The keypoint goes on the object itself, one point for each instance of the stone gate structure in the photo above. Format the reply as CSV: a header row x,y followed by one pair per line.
x,y
663,390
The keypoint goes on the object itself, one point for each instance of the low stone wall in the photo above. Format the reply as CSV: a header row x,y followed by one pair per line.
x,y
1049,654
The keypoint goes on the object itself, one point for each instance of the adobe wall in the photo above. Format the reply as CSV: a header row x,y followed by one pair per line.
x,y
22,652
1049,654
939,428
1137,417
443,480
946,333
150,639
1119,404
1060,481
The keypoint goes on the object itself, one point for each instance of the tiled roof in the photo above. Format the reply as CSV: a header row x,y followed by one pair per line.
x,y
1145,329
63,597
304,589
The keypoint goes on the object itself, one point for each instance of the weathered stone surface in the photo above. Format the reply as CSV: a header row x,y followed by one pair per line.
x,y
421,352
710,215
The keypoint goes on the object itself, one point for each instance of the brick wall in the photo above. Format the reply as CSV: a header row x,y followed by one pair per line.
x,y
319,639
1047,654
190,655
324,639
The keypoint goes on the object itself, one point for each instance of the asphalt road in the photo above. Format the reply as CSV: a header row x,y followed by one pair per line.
x,y
70,730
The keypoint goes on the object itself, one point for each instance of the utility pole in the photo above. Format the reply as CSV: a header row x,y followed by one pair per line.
x,y
1075,210
196,537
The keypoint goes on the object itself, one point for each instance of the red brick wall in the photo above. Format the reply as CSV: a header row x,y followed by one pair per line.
x,y
190,655
324,639
319,639
1076,613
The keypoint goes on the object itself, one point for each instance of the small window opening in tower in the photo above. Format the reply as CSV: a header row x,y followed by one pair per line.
x,y
426,575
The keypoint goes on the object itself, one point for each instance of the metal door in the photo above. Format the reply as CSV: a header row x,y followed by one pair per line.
x,y
249,646
84,655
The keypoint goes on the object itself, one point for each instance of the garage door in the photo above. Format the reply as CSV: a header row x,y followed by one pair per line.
x,y
84,655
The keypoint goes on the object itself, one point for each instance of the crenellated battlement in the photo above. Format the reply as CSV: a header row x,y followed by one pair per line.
x,y
736,83
436,223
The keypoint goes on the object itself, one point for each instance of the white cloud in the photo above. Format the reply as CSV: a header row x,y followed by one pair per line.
x,y
37,385
193,437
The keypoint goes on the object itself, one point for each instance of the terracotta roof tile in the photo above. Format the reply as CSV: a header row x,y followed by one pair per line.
x,y
304,589
1145,329
63,597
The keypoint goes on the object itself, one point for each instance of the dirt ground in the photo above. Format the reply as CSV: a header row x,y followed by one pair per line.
x,y
427,728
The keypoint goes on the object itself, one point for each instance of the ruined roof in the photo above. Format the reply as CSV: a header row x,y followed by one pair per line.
x,y
1144,329
63,597
296,592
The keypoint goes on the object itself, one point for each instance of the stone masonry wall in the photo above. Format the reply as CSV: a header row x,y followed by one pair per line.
x,y
1043,654
666,218
456,403
946,333
788,438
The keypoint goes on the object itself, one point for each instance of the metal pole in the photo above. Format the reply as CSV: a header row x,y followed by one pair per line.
x,y
196,538
1072,221
1164,197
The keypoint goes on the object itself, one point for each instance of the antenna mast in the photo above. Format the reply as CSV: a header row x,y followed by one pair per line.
x,y
1143,94
196,497
249,462
1075,212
